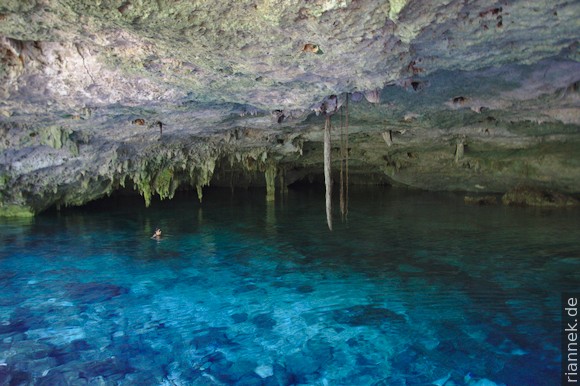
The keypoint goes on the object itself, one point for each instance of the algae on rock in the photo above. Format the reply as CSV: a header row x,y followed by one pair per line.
x,y
58,138
10,210
163,183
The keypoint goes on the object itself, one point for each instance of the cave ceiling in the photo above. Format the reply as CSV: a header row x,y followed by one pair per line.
x,y
89,86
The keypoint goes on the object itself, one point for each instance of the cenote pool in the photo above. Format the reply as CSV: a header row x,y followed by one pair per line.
x,y
414,289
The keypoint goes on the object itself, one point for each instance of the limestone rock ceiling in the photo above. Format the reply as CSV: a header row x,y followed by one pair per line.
x,y
78,77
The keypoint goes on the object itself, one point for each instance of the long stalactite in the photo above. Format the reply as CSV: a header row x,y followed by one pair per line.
x,y
327,172
344,163
346,159
342,167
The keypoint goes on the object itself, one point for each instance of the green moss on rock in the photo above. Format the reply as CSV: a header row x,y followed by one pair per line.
x,y
142,183
162,183
11,210
4,180
58,137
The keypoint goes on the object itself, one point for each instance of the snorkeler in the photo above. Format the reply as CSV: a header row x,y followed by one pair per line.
x,y
157,234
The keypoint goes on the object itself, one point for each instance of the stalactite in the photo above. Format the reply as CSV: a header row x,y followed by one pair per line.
x,y
373,96
270,175
342,167
388,137
204,175
459,151
327,176
162,184
199,189
346,162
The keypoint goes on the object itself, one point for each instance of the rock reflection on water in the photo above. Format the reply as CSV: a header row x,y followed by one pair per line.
x,y
416,289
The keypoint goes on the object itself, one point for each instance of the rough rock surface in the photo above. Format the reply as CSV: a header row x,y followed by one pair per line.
x,y
101,95
526,196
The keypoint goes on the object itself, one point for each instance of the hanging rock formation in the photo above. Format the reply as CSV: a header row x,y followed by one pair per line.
x,y
155,95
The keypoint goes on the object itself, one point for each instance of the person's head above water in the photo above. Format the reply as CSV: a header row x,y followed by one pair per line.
x,y
157,233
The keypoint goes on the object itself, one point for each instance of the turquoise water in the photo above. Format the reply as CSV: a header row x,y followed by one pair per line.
x,y
414,287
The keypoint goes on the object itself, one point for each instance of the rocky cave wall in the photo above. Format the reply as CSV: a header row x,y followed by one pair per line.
x,y
98,96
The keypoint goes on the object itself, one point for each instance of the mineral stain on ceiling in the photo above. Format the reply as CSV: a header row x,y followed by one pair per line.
x,y
102,95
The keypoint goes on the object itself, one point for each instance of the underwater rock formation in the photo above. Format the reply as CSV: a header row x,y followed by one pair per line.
x,y
154,96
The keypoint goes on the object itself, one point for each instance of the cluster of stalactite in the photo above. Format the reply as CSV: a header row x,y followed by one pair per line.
x,y
158,171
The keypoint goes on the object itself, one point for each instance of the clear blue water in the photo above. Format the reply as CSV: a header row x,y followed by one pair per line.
x,y
415,287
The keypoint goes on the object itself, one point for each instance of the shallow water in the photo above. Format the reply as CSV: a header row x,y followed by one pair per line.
x,y
415,286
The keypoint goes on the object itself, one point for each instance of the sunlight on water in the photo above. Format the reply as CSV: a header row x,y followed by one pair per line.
x,y
415,288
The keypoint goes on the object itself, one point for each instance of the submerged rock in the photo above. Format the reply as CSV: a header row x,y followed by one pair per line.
x,y
94,292
58,335
52,378
366,316
300,366
483,382
264,371
239,317
211,339
16,377
442,381
264,321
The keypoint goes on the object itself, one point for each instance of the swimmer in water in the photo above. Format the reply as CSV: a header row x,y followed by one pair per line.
x,y
157,234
